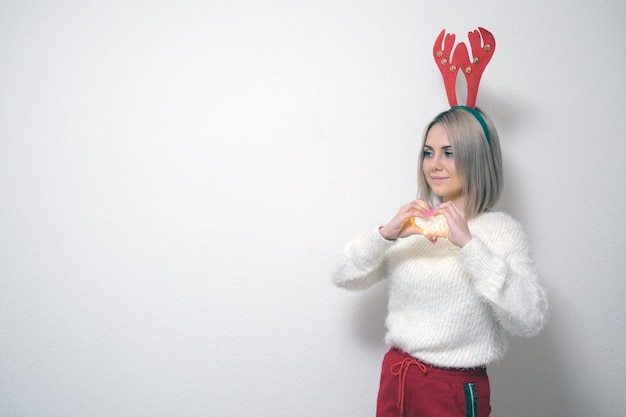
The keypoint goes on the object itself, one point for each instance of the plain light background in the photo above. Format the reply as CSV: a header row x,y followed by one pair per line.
x,y
178,178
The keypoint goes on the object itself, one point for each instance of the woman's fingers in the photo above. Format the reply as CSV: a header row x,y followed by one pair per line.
x,y
459,233
402,225
421,208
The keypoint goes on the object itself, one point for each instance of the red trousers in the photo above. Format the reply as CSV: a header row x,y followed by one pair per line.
x,y
411,388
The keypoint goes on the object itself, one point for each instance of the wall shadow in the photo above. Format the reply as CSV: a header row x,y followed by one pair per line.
x,y
528,381
369,313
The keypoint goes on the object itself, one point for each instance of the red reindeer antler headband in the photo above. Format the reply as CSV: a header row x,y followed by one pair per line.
x,y
450,64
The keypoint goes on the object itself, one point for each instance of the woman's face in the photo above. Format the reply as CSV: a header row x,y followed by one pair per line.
x,y
439,167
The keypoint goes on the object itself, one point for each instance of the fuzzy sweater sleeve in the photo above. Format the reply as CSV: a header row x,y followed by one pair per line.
x,y
506,279
362,262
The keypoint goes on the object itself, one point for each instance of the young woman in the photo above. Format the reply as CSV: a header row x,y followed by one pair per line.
x,y
454,291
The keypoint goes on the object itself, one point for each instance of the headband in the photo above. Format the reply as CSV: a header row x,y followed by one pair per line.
x,y
478,117
450,61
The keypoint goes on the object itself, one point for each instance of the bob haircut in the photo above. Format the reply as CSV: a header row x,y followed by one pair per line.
x,y
478,160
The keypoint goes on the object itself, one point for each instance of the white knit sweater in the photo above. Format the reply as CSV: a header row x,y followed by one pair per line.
x,y
451,307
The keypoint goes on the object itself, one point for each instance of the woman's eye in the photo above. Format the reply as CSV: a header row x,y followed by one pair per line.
x,y
449,154
428,154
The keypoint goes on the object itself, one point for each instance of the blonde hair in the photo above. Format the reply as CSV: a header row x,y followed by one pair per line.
x,y
477,158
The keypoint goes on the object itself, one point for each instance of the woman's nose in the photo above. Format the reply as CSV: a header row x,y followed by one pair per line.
x,y
437,162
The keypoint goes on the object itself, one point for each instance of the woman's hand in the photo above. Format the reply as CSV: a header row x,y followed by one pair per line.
x,y
458,233
402,224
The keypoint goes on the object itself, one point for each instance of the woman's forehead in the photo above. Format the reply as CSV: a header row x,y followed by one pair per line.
x,y
437,137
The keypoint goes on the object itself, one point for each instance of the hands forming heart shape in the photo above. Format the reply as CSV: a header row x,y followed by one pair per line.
x,y
432,225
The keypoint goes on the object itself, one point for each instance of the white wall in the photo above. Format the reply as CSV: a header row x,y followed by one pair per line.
x,y
177,179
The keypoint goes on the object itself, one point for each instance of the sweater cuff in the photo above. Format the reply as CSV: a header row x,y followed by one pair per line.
x,y
377,243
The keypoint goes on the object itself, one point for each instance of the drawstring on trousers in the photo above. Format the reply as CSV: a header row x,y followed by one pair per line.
x,y
401,369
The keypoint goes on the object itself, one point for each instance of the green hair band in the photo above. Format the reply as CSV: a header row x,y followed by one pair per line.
x,y
480,119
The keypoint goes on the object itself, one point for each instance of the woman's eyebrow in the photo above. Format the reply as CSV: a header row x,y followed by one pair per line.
x,y
443,147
